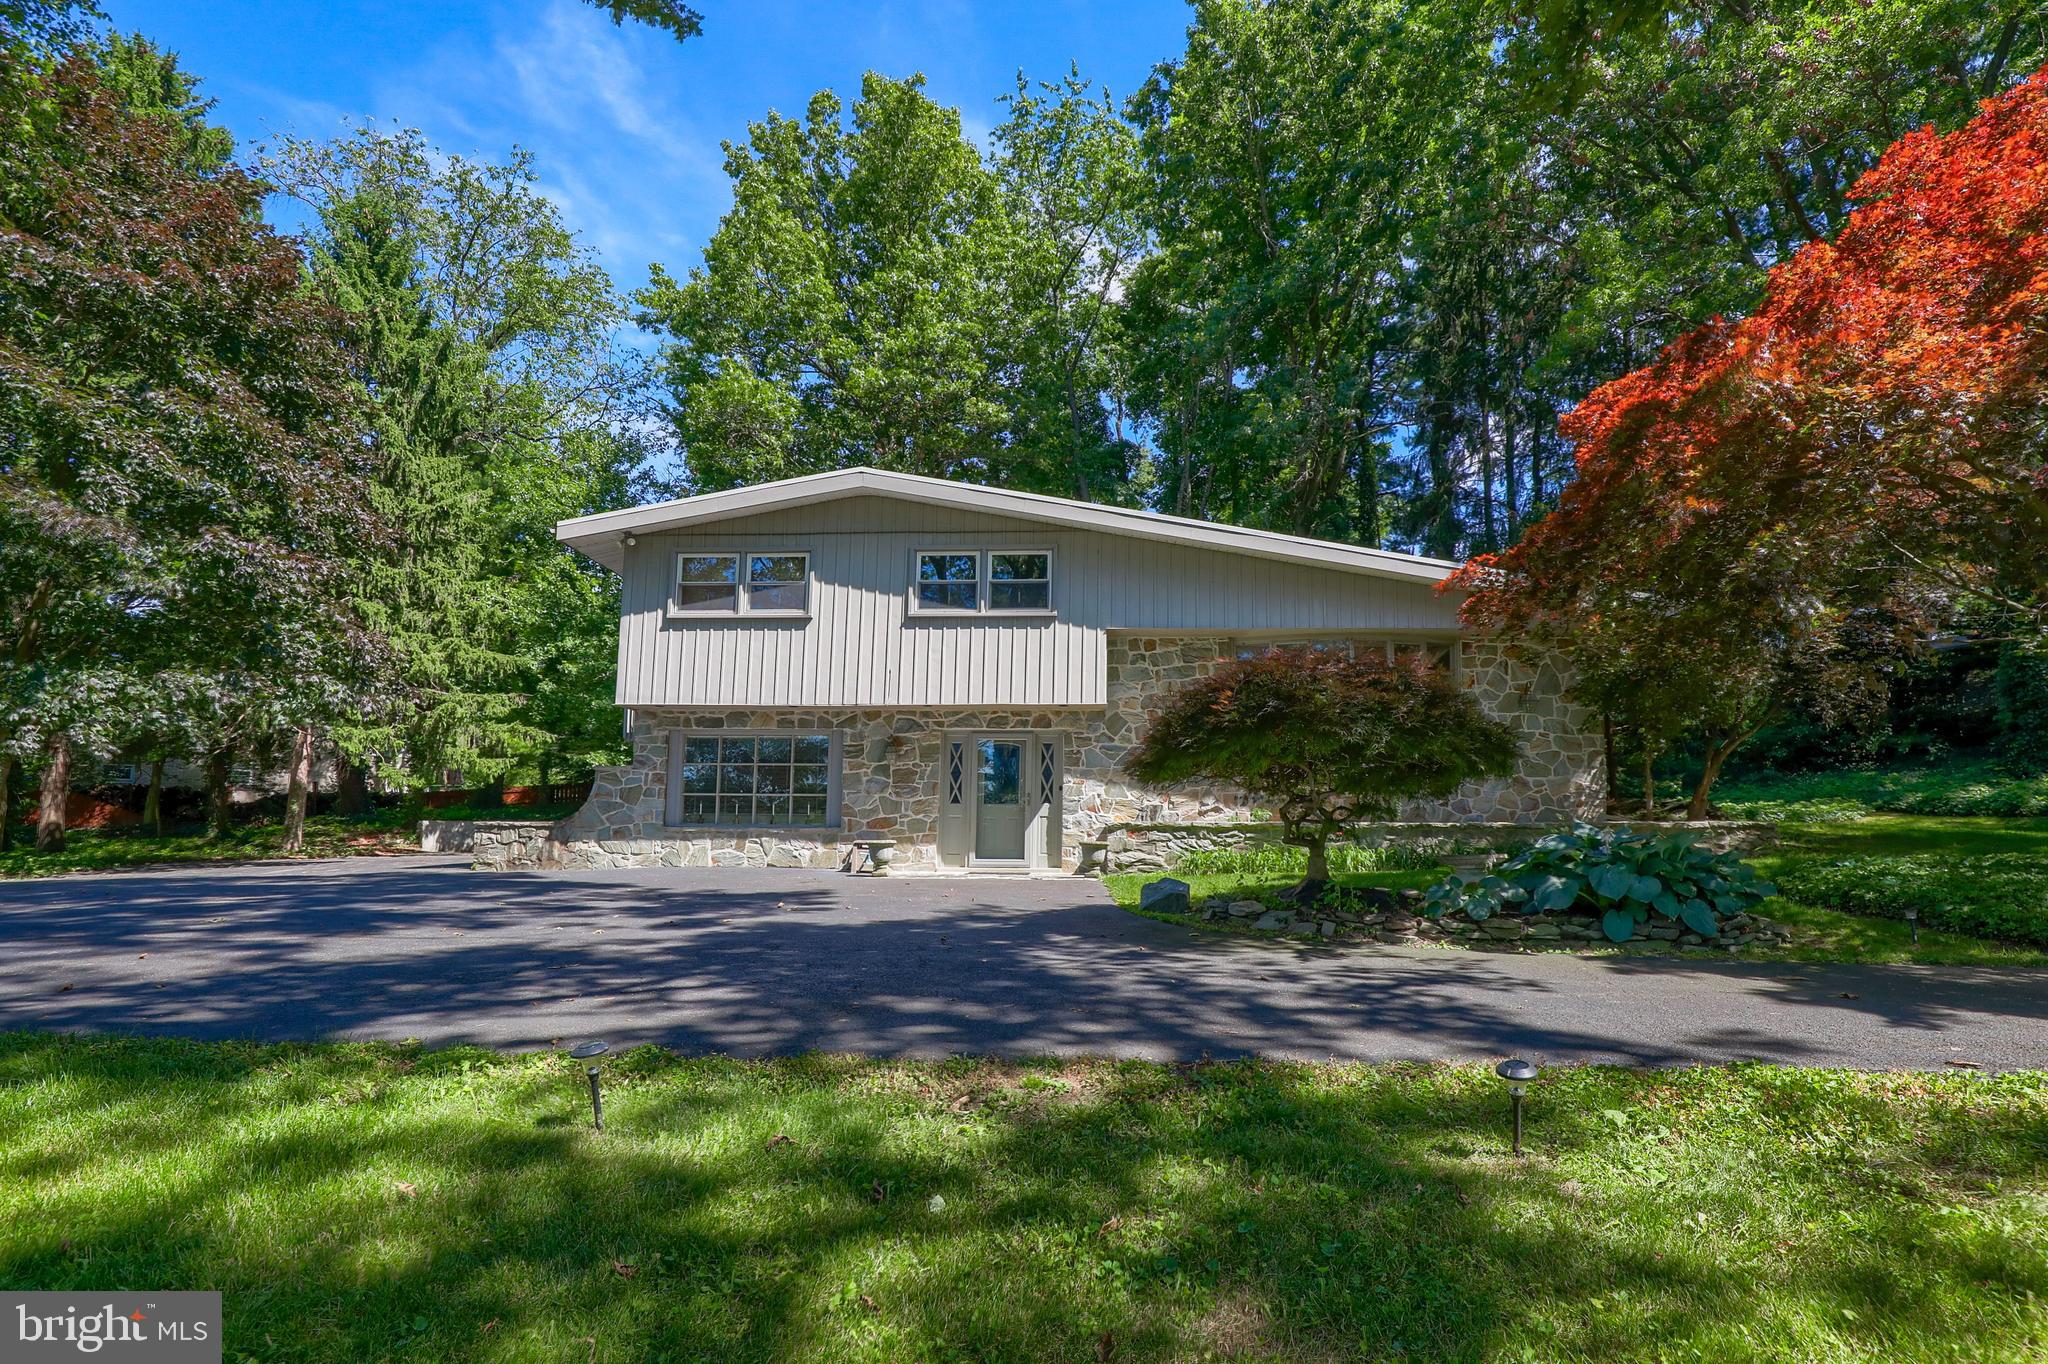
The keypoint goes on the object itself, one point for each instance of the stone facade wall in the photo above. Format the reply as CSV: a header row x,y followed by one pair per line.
x,y
1562,773
890,768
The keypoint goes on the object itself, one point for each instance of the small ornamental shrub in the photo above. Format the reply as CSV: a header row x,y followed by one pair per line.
x,y
1325,740
1626,878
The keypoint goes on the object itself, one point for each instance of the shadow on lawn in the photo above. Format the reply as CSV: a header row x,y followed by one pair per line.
x,y
784,1210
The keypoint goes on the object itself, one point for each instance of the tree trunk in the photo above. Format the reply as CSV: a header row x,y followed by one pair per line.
x,y
1317,878
1607,756
295,795
153,802
219,804
8,767
351,789
56,789
1649,781
1710,769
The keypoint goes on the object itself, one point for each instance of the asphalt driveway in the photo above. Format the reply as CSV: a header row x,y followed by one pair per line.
x,y
751,962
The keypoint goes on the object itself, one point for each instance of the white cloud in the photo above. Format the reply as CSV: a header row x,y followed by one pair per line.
x,y
631,172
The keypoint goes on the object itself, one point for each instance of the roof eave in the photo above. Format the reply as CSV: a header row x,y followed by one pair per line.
x,y
600,536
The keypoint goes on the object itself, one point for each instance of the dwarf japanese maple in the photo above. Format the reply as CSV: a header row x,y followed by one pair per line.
x,y
1325,739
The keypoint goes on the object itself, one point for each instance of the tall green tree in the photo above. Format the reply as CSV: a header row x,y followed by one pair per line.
x,y
1068,169
1282,148
487,356
179,462
151,81
850,308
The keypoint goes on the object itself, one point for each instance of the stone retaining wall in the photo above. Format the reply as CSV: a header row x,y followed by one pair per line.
x,y
1163,847
446,835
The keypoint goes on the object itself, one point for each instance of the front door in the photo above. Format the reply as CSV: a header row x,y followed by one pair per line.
x,y
1001,814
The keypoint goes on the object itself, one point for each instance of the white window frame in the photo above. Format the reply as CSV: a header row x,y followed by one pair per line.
x,y
917,558
672,806
984,565
742,607
988,580
747,607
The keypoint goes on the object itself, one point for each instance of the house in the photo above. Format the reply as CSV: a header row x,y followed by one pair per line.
x,y
863,654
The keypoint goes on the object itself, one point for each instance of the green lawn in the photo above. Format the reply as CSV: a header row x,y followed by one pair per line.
x,y
1981,885
1951,788
359,1203
1846,884
326,836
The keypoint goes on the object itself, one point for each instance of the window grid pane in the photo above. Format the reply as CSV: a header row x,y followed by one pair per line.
x,y
757,781
778,582
707,582
948,582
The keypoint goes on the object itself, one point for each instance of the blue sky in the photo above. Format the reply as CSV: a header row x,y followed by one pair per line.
x,y
624,123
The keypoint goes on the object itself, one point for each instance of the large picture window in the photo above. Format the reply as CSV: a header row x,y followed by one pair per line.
x,y
755,780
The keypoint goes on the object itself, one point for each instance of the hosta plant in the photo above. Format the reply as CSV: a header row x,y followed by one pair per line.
x,y
1625,878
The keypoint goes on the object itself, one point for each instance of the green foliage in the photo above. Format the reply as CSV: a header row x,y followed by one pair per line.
x,y
2003,896
487,361
1325,738
1627,878
1278,859
1956,788
150,81
2021,686
673,17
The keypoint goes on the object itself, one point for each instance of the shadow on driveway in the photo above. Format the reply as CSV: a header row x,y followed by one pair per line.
x,y
750,962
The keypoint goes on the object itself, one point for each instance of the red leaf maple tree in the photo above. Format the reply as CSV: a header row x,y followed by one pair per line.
x,y
1880,417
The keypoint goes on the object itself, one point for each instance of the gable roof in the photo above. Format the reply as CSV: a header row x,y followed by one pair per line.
x,y
600,536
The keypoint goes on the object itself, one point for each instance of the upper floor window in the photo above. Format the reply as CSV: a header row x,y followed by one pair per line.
x,y
1019,582
778,582
948,581
995,581
757,583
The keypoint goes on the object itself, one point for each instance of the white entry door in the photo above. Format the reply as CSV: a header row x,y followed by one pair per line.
x,y
1003,802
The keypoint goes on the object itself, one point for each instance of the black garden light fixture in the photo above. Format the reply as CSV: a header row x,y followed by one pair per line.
x,y
1518,1073
589,1052
1913,922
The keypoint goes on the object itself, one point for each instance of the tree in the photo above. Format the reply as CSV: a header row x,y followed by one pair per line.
x,y
178,459
1068,168
487,359
672,16
850,307
1325,738
151,82
1278,150
1768,482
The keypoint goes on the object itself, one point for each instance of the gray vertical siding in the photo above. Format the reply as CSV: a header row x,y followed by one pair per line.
x,y
861,646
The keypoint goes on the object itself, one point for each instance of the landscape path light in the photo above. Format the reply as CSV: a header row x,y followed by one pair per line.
x,y
1518,1073
1913,922
590,1052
